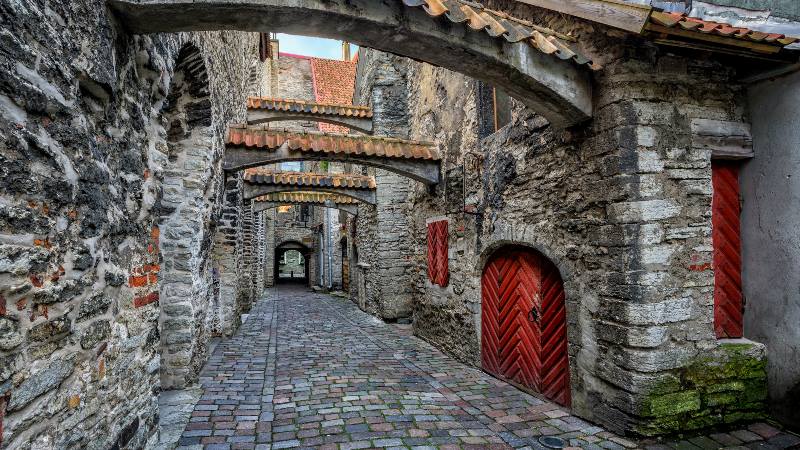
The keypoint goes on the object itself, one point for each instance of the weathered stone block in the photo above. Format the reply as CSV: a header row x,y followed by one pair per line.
x,y
52,330
643,211
95,333
10,336
672,404
41,381
93,306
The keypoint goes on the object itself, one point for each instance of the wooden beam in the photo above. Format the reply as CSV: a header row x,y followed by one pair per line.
x,y
614,13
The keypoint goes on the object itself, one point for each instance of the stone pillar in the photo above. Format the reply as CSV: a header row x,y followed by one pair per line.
x,y
227,248
383,231
269,248
247,274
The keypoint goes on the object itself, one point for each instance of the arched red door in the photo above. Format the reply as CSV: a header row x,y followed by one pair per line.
x,y
524,323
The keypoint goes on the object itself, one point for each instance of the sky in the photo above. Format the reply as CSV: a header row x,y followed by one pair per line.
x,y
311,46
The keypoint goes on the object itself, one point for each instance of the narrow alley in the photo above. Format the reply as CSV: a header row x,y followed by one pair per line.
x,y
309,370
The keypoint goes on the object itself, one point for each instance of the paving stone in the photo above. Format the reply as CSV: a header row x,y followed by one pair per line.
x,y
310,371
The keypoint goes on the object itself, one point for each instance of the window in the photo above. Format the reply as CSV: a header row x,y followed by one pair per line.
x,y
292,166
494,109
304,213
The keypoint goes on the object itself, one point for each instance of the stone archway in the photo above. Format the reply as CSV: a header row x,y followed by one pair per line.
x,y
190,181
533,64
283,249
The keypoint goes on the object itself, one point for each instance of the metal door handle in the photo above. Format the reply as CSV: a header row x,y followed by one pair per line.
x,y
533,315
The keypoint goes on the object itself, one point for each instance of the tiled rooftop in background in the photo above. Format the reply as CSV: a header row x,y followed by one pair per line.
x,y
334,83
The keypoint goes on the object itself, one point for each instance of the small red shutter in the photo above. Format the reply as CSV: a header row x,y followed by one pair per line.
x,y
725,221
438,271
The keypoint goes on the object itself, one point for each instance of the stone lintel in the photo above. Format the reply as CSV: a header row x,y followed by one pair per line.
x,y
725,139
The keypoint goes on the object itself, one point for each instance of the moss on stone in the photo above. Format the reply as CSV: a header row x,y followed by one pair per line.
x,y
726,386
672,404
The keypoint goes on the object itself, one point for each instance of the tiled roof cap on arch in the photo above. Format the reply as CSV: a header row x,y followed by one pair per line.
x,y
717,32
501,25
259,137
306,197
304,106
265,176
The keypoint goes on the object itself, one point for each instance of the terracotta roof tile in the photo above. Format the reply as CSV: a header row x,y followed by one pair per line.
x,y
290,105
305,197
334,82
499,25
259,137
264,176
678,22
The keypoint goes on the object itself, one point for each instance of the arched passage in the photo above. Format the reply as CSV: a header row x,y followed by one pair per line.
x,y
292,263
524,322
189,182
530,63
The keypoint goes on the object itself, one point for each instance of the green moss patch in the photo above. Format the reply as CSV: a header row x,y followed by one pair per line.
x,y
725,386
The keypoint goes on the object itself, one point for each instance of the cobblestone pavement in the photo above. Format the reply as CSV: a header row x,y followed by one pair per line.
x,y
312,371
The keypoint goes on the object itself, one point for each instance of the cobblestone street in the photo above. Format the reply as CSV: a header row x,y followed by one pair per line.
x,y
312,371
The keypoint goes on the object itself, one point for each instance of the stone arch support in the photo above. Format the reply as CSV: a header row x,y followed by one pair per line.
x,y
536,68
350,209
359,124
193,149
252,191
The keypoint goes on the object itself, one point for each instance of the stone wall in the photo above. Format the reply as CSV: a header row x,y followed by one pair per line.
x,y
382,231
621,205
102,134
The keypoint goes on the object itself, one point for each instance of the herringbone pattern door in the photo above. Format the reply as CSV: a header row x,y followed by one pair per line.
x,y
524,326
725,220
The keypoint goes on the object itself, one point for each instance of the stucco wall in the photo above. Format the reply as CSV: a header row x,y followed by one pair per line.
x,y
771,239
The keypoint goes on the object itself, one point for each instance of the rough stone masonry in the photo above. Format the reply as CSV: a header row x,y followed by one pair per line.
x,y
110,148
622,205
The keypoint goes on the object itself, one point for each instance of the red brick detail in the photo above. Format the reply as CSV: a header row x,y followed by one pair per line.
x,y
438,271
2,306
36,281
21,303
3,403
152,297
137,280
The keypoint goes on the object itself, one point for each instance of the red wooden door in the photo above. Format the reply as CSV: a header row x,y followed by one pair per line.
x,y
725,221
524,323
